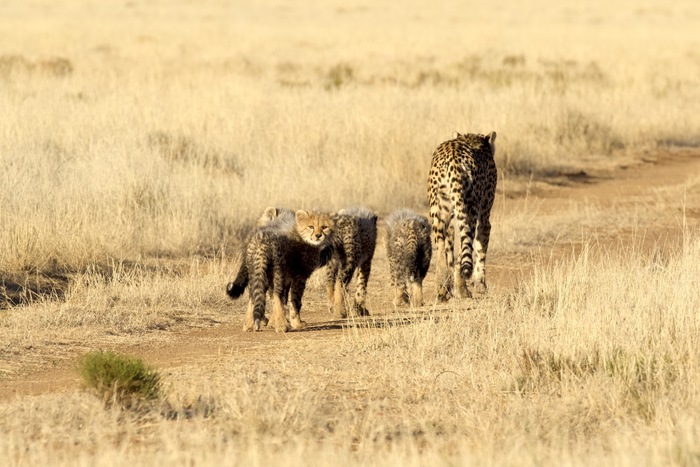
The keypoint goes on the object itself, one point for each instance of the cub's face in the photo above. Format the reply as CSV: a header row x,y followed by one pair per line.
x,y
314,228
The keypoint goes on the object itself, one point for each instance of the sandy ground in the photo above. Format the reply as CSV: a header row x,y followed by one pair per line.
x,y
629,188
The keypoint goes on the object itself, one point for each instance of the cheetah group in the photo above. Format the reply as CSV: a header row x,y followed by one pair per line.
x,y
287,246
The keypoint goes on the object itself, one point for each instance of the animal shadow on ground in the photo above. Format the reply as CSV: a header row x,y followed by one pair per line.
x,y
402,318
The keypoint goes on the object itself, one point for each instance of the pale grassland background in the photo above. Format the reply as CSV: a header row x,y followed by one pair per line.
x,y
133,129
138,141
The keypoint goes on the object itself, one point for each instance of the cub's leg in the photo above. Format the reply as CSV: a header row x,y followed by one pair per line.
x,y
248,321
331,276
361,293
279,288
295,312
278,318
416,293
285,299
400,293
341,290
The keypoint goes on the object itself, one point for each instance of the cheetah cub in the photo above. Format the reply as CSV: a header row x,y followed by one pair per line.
x,y
280,257
353,248
409,250
461,190
271,214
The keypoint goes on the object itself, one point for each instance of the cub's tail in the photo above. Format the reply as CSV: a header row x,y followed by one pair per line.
x,y
259,278
236,288
410,252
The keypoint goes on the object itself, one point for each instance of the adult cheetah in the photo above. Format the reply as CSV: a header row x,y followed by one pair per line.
x,y
461,191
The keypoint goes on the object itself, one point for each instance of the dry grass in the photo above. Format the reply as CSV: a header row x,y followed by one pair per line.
x,y
592,358
151,130
138,141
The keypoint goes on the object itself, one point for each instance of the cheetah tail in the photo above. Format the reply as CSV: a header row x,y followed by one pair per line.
x,y
236,288
409,256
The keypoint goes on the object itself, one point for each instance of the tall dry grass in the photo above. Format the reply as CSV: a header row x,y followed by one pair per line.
x,y
592,359
158,130
139,140
128,302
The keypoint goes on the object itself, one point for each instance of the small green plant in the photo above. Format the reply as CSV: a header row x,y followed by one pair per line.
x,y
125,380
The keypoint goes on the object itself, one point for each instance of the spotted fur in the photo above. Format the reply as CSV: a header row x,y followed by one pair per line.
x,y
353,248
461,191
409,251
236,288
280,257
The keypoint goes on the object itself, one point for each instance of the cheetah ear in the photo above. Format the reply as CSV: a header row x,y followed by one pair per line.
x,y
342,212
301,215
492,141
270,213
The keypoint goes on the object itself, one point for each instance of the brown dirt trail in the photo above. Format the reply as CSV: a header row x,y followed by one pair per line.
x,y
624,188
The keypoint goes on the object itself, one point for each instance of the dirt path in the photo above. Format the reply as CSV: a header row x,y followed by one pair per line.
x,y
632,187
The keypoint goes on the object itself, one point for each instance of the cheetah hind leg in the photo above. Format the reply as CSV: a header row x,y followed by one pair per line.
x,y
480,245
478,284
248,322
400,294
447,261
444,276
341,291
361,292
295,310
445,291
416,294
360,310
331,276
340,300
460,285
278,318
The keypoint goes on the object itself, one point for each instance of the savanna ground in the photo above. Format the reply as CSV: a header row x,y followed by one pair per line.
x,y
139,141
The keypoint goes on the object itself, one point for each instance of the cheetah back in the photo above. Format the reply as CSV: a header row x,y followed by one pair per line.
x,y
461,190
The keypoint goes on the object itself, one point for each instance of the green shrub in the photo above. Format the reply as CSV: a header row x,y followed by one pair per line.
x,y
125,380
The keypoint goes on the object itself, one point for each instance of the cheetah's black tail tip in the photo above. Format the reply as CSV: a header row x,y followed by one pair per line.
x,y
235,289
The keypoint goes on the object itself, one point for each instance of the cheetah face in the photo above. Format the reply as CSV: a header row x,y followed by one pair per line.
x,y
314,228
